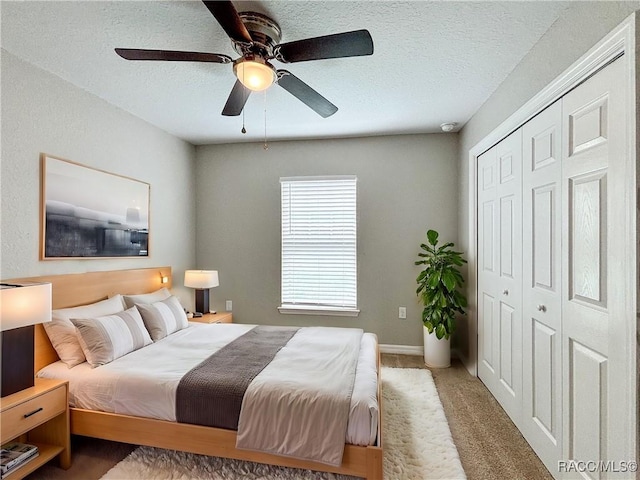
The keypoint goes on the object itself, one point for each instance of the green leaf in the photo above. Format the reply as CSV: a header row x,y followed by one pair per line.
x,y
434,279
431,298
437,296
432,236
449,280
458,261
458,275
443,301
444,247
429,327
451,324
440,331
460,299
428,248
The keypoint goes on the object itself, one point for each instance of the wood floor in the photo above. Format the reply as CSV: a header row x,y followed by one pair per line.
x,y
489,444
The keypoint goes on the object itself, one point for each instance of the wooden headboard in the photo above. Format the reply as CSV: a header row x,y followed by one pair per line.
x,y
71,290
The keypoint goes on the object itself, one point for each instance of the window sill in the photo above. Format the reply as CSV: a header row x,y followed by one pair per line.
x,y
307,310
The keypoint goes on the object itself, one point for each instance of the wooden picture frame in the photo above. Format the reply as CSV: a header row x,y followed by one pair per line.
x,y
91,213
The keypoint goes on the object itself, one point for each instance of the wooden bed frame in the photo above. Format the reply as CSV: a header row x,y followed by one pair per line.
x,y
82,288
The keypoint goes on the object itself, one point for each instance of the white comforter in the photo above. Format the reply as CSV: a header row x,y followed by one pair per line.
x,y
143,383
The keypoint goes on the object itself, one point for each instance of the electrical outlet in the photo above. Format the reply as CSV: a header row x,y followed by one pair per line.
x,y
402,312
228,305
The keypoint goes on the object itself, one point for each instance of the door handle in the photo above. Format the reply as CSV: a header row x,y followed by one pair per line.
x,y
542,308
505,292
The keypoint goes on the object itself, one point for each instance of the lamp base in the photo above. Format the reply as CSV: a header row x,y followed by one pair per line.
x,y
202,301
17,360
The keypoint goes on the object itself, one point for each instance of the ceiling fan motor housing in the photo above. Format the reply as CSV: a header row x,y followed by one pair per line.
x,y
264,31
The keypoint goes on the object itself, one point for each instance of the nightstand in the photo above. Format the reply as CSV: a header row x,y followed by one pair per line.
x,y
220,317
38,415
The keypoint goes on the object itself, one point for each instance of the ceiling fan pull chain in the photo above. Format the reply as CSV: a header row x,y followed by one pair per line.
x,y
266,145
246,95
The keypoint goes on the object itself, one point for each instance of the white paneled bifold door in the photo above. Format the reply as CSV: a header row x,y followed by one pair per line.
x,y
500,275
552,312
595,313
542,292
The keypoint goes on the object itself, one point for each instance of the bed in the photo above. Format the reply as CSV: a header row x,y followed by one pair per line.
x,y
78,289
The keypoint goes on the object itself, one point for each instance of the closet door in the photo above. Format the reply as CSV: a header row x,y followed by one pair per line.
x,y
500,275
542,359
488,353
597,311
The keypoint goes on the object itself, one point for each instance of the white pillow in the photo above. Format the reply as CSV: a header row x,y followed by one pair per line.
x,y
103,339
62,332
157,296
163,318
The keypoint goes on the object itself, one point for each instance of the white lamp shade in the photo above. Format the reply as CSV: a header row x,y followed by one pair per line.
x,y
24,304
256,76
201,279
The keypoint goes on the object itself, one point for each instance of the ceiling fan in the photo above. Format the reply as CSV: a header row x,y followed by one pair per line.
x,y
255,37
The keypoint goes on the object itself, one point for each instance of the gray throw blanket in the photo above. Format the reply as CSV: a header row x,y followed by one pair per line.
x,y
211,393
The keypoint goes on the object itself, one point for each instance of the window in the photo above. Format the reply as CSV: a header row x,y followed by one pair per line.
x,y
319,274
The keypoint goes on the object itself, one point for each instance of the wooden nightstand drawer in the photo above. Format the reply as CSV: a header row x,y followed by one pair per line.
x,y
220,317
27,415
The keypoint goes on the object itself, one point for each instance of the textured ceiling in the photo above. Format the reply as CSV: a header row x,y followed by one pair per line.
x,y
434,62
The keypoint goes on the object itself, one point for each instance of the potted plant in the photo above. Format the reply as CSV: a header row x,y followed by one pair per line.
x,y
438,285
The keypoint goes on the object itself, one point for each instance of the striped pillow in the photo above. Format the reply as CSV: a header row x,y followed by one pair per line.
x,y
158,295
103,339
62,332
163,318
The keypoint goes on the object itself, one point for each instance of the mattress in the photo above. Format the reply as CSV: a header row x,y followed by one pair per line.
x,y
143,383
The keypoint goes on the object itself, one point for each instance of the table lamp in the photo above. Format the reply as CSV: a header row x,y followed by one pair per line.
x,y
202,281
21,307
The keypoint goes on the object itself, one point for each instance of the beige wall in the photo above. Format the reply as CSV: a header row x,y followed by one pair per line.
x,y
43,113
580,27
406,184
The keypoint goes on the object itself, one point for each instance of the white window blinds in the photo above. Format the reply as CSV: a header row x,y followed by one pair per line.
x,y
319,243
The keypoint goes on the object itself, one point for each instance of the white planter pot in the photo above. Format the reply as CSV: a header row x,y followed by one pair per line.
x,y
437,353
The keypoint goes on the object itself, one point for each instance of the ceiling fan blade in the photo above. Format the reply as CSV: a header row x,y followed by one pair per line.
x,y
347,44
306,94
228,18
171,55
237,98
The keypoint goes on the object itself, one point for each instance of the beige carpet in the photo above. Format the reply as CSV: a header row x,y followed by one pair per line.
x,y
489,444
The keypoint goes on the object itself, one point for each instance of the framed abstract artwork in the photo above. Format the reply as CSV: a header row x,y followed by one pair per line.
x,y
90,213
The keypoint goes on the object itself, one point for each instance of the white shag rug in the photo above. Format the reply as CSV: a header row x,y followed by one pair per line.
x,y
416,439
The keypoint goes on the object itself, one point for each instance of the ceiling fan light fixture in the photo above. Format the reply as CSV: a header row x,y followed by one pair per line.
x,y
255,74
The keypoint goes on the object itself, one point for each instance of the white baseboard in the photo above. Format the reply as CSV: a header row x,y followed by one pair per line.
x,y
402,349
